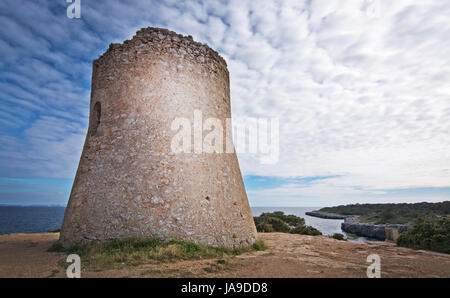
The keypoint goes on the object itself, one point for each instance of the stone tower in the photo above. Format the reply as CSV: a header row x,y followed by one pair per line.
x,y
129,182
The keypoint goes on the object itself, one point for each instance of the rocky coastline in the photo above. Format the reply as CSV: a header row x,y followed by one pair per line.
x,y
352,225
326,215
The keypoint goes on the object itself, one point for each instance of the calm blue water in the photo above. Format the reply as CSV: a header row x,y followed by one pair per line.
x,y
326,226
14,219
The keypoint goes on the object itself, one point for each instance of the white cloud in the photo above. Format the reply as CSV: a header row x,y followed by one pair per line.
x,y
352,99
360,93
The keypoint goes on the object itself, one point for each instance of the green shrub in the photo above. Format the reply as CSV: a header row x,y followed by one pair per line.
x,y
338,236
306,230
279,225
431,233
265,227
279,222
259,245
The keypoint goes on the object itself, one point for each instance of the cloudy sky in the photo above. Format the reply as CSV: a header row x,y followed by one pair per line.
x,y
361,89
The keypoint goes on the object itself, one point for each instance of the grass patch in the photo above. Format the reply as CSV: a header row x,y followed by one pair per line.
x,y
339,236
352,236
259,245
56,247
136,251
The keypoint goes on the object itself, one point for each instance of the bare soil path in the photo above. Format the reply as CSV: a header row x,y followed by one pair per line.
x,y
287,255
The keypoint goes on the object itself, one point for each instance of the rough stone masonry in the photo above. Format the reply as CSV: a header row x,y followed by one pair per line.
x,y
128,182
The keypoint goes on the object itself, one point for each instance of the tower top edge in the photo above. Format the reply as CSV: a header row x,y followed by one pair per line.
x,y
155,35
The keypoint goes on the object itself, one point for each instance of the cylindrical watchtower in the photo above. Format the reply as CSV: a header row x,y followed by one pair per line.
x,y
129,183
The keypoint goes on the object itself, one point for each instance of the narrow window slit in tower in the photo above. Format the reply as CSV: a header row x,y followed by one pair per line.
x,y
96,129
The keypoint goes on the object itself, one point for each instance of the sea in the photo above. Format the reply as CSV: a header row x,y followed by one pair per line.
x,y
40,219
30,219
328,227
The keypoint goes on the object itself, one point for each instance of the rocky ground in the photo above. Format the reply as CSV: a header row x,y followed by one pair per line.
x,y
287,255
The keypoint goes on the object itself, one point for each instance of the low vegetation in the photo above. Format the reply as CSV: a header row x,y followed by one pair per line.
x,y
339,236
431,233
133,252
279,222
352,236
391,213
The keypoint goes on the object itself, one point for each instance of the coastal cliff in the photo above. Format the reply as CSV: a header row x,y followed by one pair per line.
x,y
352,225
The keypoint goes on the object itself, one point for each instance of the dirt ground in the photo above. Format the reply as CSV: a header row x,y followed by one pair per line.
x,y
287,255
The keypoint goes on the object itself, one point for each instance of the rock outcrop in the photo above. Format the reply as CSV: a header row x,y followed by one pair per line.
x,y
326,215
353,225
